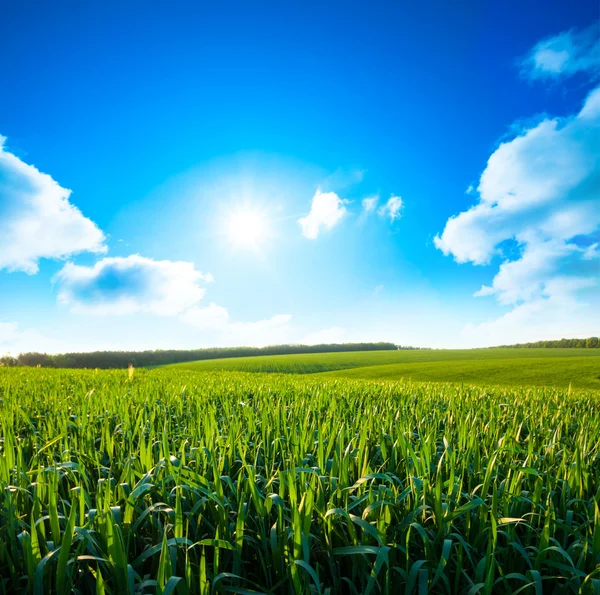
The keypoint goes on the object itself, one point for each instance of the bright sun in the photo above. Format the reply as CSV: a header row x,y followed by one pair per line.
x,y
246,228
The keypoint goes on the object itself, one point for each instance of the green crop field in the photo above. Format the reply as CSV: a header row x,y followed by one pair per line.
x,y
177,481
582,372
539,367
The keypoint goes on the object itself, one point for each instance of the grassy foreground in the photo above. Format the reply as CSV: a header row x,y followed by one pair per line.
x,y
579,368
173,481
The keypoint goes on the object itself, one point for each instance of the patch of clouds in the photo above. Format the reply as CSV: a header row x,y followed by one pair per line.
x,y
545,269
392,209
326,211
541,185
37,220
565,54
539,195
126,285
335,334
135,284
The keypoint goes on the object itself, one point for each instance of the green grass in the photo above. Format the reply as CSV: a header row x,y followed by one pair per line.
x,y
580,372
541,367
177,481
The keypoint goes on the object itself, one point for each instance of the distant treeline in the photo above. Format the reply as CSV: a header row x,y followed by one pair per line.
x,y
589,343
122,359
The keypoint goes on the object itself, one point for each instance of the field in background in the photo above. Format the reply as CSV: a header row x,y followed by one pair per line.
x,y
503,366
173,481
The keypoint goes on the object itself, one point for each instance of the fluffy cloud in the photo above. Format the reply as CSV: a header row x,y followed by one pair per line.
x,y
132,284
564,55
326,211
540,186
547,268
392,208
36,218
539,207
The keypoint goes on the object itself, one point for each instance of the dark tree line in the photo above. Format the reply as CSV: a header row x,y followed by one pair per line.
x,y
589,343
121,359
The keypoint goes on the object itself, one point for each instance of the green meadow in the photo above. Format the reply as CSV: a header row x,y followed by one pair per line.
x,y
579,368
177,481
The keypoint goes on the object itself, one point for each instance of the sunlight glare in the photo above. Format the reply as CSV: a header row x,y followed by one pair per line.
x,y
247,228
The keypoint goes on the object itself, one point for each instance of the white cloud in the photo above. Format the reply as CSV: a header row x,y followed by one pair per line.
x,y
565,54
546,268
334,334
326,211
117,286
539,186
539,197
36,218
392,208
133,284
369,204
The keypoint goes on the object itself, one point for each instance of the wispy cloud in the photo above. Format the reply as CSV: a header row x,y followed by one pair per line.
x,y
326,211
369,204
565,54
392,209
36,218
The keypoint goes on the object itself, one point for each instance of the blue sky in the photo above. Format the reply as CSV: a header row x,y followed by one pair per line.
x,y
195,175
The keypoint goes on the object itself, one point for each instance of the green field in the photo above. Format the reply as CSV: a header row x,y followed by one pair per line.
x,y
173,481
532,367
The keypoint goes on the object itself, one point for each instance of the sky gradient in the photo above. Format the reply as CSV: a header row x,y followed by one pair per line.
x,y
197,175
